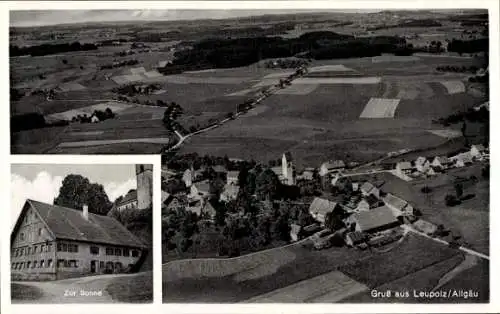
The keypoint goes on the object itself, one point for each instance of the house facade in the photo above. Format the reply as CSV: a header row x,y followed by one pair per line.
x,y
53,242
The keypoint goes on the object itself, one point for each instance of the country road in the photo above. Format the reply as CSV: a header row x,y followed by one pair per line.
x,y
270,92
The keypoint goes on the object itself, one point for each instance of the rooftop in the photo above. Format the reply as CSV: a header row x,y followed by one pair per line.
x,y
375,218
67,223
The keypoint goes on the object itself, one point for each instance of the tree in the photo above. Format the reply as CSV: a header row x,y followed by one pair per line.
x,y
77,191
266,185
459,190
333,221
216,187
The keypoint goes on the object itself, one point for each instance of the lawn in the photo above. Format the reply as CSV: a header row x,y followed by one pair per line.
x,y
414,254
249,283
475,279
20,292
132,289
422,280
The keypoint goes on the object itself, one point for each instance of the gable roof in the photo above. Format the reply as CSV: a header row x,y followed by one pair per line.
x,y
230,191
371,199
233,174
321,206
404,165
69,224
420,160
479,147
375,218
395,201
442,159
219,168
203,186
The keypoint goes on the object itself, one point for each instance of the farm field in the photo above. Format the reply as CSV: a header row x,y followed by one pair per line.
x,y
298,268
413,254
320,119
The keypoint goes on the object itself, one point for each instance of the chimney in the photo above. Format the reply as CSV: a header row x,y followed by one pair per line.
x,y
85,212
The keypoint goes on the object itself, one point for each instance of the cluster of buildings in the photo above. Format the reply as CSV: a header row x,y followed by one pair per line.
x,y
438,164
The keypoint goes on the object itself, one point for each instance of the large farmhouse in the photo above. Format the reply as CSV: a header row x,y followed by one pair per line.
x,y
51,242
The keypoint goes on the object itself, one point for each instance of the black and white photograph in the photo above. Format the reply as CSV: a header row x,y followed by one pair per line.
x,y
81,233
308,155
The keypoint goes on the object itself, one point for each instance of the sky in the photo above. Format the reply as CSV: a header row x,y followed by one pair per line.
x,y
41,182
52,17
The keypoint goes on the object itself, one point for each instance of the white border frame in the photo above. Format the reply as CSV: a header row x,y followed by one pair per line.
x,y
493,306
154,160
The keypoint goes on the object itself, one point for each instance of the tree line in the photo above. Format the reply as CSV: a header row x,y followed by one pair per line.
x,y
224,52
48,49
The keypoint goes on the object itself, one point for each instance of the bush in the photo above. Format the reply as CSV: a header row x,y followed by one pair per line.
x,y
451,200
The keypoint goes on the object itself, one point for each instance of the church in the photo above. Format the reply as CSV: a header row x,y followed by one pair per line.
x,y
286,172
52,242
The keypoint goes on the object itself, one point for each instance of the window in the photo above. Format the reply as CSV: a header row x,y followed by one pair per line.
x,y
60,263
75,248
35,248
49,247
118,252
21,251
22,236
135,253
126,252
39,232
109,251
73,263
49,263
28,251
142,168
94,250
64,247
101,265
42,248
59,247
35,264
42,263
28,264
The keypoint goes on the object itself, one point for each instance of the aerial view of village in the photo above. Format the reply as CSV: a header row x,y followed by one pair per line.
x,y
313,157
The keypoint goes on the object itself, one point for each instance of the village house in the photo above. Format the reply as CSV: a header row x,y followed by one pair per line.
x,y
307,174
229,193
203,208
462,159
404,168
232,177
320,207
368,188
127,202
199,190
52,242
140,198
441,162
374,220
295,232
477,151
422,164
398,205
176,202
331,167
341,182
368,202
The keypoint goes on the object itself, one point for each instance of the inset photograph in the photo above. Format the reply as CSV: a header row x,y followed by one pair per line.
x,y
81,233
